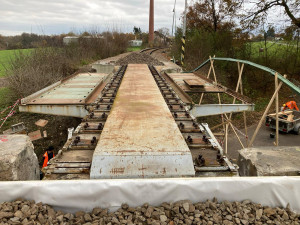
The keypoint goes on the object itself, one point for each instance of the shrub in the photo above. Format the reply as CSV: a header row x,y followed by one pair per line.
x,y
44,66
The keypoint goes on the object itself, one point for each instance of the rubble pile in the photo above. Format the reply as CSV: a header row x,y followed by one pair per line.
x,y
139,58
181,212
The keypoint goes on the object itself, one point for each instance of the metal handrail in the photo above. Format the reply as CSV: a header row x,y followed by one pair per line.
x,y
267,69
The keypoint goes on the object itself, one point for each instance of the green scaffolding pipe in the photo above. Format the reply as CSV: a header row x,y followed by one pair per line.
x,y
267,69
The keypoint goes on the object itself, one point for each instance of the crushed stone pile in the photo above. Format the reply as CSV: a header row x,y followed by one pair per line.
x,y
181,212
139,58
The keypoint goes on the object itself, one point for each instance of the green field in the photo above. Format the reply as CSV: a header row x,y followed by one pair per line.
x,y
273,48
7,55
133,49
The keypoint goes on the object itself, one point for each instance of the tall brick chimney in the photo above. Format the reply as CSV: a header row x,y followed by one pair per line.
x,y
151,23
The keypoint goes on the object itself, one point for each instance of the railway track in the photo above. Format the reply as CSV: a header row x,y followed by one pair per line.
x,y
151,50
198,140
74,160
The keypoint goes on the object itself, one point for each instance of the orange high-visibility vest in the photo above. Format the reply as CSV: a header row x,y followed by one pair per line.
x,y
292,105
45,159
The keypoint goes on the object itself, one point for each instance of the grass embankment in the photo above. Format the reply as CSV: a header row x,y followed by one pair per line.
x,y
133,49
273,48
3,97
7,55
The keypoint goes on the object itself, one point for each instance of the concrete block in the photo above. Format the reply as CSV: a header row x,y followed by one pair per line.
x,y
269,161
103,68
17,159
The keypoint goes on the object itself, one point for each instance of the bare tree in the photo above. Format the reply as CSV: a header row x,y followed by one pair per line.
x,y
261,8
213,15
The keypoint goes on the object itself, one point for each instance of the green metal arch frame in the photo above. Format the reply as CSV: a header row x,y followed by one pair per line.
x,y
267,69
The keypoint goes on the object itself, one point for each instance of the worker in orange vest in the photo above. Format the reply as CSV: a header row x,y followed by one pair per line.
x,y
49,154
290,105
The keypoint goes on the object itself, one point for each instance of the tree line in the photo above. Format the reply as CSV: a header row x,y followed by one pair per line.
x,y
237,29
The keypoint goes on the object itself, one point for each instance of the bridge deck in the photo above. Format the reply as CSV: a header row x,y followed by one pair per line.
x,y
140,137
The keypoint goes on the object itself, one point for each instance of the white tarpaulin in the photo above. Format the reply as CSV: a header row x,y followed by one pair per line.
x,y
72,196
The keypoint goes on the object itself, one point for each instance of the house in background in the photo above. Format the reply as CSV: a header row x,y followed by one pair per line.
x,y
70,40
135,43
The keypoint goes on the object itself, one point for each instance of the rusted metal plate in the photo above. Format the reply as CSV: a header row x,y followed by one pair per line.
x,y
194,83
182,95
140,137
204,86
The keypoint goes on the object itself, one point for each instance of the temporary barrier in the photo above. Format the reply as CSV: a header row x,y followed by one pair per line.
x,y
72,196
9,107
11,113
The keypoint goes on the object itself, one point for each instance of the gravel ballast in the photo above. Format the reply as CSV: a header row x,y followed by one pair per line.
x,y
139,58
181,212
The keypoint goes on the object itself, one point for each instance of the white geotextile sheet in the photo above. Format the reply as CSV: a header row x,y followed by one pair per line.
x,y
72,196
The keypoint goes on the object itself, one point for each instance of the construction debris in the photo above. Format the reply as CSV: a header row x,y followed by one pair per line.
x,y
35,135
41,123
17,159
139,58
181,212
18,128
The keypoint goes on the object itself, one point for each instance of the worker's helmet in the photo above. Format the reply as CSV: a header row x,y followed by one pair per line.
x,y
284,105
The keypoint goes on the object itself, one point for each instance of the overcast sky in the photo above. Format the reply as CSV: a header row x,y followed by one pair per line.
x,y
62,16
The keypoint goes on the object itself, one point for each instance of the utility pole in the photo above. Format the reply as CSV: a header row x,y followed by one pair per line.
x,y
174,18
183,34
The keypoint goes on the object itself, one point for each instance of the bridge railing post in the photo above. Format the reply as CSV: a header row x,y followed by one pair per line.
x,y
265,113
208,75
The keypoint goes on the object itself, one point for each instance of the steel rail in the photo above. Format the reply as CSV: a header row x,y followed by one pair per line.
x,y
191,130
86,136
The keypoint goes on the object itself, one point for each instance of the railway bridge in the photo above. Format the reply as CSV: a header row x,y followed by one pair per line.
x,y
138,121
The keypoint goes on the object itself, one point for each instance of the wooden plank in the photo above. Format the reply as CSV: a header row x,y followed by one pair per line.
x,y
77,156
69,170
83,176
72,165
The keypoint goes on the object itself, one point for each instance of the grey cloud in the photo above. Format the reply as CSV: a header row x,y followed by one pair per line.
x,y
59,16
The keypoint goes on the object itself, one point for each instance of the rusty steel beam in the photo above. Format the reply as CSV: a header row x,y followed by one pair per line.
x,y
140,138
57,110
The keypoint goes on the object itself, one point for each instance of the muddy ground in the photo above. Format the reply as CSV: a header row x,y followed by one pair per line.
x,y
56,129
